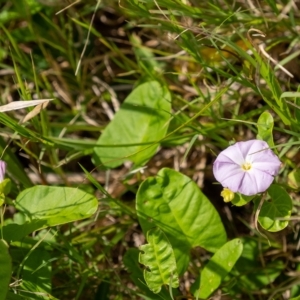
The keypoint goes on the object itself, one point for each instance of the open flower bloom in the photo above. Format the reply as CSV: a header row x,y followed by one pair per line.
x,y
247,167
2,170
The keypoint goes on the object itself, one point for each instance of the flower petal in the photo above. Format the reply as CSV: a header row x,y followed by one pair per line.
x,y
272,168
232,154
225,170
255,182
234,181
250,146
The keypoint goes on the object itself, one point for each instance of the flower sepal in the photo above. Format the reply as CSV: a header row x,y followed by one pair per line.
x,y
241,200
236,199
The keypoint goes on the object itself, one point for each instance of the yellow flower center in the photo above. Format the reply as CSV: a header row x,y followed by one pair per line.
x,y
227,195
246,166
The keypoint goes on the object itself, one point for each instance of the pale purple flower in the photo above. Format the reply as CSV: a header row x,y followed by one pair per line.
x,y
2,170
247,167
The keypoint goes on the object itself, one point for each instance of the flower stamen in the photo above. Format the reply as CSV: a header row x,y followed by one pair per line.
x,y
246,166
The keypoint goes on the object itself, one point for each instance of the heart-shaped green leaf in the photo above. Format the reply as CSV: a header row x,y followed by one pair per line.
x,y
133,133
55,205
175,204
275,212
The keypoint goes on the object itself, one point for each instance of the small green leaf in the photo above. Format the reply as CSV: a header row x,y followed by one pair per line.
x,y
5,269
175,204
218,267
5,186
7,16
140,123
294,179
158,257
278,207
55,205
265,126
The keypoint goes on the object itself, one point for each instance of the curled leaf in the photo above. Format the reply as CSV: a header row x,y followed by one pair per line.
x,y
159,258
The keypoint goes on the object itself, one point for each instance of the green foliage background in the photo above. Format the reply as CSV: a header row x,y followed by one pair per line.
x,y
145,95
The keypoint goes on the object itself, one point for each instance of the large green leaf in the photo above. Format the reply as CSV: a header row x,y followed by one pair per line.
x,y
55,205
175,204
5,269
158,257
276,209
138,125
217,268
136,274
